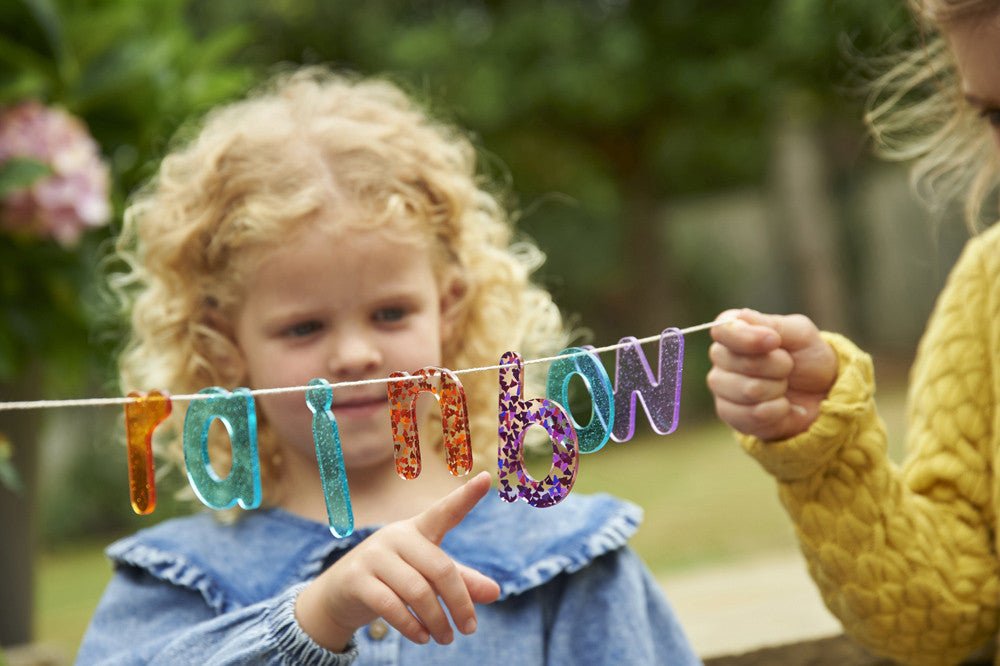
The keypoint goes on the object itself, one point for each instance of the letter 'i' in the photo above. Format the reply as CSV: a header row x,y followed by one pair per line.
x,y
330,456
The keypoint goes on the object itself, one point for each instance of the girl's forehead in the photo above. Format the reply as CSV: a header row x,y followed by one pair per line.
x,y
344,269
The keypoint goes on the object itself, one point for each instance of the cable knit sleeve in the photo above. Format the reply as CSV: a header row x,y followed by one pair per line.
x,y
905,557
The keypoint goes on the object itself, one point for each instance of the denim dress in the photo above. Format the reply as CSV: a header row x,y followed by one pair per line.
x,y
197,591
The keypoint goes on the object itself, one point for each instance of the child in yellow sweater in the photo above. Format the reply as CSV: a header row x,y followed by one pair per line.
x,y
906,558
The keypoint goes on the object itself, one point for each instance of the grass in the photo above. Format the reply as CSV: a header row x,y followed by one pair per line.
x,y
705,503
68,586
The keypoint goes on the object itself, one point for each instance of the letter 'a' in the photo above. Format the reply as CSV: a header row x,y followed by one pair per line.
x,y
236,412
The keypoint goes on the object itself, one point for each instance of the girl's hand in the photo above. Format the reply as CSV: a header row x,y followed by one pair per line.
x,y
401,574
769,373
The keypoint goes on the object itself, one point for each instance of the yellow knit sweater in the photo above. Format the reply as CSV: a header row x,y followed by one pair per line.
x,y
907,558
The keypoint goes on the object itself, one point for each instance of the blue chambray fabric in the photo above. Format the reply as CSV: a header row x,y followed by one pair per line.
x,y
196,591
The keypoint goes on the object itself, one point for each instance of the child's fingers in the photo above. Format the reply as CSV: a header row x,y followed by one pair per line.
x,y
482,589
449,511
774,419
796,331
388,605
775,364
442,579
747,338
420,592
742,390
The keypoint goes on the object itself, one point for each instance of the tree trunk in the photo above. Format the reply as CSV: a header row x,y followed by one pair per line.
x,y
804,204
17,515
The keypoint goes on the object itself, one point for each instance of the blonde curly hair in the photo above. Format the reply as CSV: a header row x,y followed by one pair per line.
x,y
254,170
917,113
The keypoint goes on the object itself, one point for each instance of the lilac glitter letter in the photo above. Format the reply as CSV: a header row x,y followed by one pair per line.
x,y
660,397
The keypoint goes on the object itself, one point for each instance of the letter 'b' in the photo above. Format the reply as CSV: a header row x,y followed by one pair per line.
x,y
516,416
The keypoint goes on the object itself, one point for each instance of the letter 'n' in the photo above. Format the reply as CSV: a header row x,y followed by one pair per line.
x,y
403,390
660,396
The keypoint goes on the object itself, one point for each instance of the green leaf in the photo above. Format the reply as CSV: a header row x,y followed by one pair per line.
x,y
47,17
21,172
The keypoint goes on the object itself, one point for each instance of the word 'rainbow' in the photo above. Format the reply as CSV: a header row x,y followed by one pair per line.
x,y
613,412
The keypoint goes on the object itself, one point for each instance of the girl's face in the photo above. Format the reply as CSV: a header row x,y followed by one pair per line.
x,y
343,306
976,45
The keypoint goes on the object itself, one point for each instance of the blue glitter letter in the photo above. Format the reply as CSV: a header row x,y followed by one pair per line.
x,y
580,361
242,484
331,459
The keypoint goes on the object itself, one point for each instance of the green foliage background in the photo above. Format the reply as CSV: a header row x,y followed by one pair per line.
x,y
594,114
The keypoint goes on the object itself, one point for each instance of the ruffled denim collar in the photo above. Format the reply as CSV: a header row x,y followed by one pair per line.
x,y
268,550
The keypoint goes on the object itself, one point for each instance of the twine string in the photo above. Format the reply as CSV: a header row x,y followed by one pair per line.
x,y
102,402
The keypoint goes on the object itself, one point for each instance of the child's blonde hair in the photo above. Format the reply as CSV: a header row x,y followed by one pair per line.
x,y
917,112
258,168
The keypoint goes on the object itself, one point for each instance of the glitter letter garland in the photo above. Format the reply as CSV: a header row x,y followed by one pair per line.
x,y
141,418
516,416
326,437
582,362
660,397
237,413
403,391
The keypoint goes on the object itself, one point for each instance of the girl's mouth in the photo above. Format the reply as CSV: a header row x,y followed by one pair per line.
x,y
360,407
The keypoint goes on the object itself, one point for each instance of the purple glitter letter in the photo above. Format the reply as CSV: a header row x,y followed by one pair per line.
x,y
516,416
660,397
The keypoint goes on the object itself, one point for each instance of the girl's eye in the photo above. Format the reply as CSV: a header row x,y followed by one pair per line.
x,y
388,315
303,329
992,116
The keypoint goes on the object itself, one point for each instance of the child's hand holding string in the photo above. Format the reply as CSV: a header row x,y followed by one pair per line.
x,y
769,373
401,574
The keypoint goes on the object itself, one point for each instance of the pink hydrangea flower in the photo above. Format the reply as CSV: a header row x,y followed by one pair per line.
x,y
74,196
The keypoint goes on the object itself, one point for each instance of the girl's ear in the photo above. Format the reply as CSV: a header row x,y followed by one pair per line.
x,y
454,293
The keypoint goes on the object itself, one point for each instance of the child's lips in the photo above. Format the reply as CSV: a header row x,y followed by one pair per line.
x,y
359,406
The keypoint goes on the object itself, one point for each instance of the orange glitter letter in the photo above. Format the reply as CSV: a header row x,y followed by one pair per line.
x,y
403,392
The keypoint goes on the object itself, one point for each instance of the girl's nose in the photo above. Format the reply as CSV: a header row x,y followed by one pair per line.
x,y
354,356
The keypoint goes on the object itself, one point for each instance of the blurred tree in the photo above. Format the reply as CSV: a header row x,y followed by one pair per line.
x,y
132,72
601,110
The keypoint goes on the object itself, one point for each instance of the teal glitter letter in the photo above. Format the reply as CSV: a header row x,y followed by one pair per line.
x,y
580,361
330,456
237,413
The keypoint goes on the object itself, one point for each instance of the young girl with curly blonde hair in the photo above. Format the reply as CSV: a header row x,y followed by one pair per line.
x,y
906,558
327,227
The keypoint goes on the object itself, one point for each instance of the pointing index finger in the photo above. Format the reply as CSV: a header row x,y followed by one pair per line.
x,y
449,511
